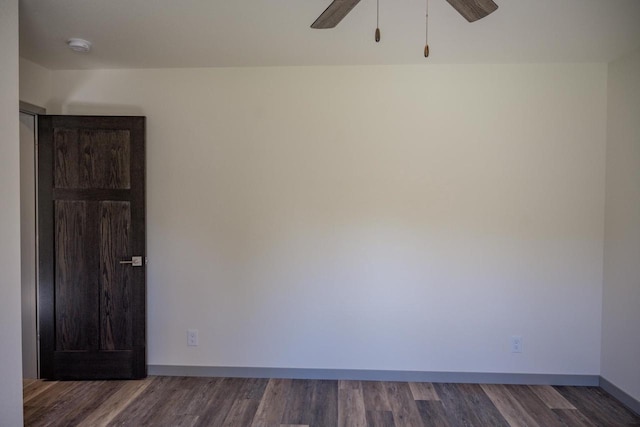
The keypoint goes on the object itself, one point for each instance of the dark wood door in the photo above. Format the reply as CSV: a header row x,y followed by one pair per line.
x,y
91,224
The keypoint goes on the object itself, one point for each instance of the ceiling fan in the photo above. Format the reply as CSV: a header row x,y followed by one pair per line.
x,y
471,10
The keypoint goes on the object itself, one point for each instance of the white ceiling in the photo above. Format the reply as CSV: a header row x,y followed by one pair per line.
x,y
222,33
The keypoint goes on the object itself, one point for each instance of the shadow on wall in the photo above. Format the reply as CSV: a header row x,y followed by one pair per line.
x,y
89,109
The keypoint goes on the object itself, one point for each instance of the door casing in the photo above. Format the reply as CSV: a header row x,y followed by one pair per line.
x,y
28,191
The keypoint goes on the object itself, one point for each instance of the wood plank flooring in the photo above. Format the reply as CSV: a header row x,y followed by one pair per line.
x,y
254,402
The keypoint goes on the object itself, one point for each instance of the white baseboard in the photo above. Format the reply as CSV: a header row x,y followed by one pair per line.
x,y
622,396
375,375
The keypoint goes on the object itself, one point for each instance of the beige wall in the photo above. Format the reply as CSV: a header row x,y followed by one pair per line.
x,y
621,301
10,360
35,83
402,217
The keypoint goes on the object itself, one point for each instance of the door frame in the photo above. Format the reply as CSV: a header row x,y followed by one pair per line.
x,y
35,111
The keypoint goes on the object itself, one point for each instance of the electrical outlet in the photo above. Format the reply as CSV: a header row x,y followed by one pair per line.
x,y
516,344
192,337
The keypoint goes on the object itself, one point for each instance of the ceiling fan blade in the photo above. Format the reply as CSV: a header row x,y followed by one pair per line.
x,y
334,13
473,10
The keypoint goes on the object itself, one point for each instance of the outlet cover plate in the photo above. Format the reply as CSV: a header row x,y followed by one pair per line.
x,y
192,337
516,344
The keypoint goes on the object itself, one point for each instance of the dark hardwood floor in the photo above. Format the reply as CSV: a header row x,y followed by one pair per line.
x,y
186,401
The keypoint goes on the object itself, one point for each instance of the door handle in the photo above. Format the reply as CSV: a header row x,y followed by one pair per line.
x,y
136,261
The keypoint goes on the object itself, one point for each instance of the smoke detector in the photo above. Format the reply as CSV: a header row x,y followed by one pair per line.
x,y
79,45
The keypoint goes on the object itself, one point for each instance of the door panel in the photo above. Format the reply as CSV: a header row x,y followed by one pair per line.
x,y
76,281
96,158
115,299
91,220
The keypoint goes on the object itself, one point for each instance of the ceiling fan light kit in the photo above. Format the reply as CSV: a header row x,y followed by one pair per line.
x,y
471,10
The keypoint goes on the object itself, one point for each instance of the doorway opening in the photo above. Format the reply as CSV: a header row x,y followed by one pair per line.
x,y
28,237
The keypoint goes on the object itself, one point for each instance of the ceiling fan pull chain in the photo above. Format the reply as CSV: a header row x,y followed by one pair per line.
x,y
377,21
426,32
